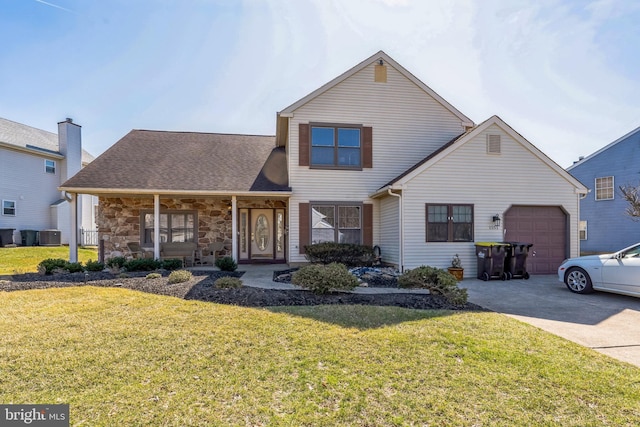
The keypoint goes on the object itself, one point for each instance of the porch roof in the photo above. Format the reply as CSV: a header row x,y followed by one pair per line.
x,y
148,161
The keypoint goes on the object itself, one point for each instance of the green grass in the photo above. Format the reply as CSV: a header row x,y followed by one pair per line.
x,y
120,357
25,259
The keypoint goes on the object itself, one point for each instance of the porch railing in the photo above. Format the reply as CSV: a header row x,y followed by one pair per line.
x,y
88,237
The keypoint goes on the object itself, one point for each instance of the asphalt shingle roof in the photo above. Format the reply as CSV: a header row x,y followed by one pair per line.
x,y
187,162
24,136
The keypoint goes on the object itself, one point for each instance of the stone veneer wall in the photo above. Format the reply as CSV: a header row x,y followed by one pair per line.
x,y
118,219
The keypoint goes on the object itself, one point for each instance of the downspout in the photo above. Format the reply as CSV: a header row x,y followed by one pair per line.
x,y
401,239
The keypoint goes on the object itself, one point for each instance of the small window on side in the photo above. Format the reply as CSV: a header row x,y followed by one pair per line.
x,y
9,207
50,166
583,230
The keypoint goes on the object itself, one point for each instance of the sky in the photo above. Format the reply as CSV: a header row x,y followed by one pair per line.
x,y
564,74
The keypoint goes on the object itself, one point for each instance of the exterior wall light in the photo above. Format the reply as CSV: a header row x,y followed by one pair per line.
x,y
496,220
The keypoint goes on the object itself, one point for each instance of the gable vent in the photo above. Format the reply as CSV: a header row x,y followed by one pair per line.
x,y
493,144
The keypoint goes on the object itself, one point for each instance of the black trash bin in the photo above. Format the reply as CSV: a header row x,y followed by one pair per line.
x,y
6,236
29,237
491,260
515,263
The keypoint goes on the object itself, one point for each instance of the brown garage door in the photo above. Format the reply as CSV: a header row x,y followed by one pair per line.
x,y
546,228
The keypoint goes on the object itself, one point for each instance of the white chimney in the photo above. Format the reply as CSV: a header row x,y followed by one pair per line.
x,y
70,146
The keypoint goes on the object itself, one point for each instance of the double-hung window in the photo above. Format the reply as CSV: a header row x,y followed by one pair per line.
x,y
604,188
341,223
9,207
336,146
50,166
449,223
174,227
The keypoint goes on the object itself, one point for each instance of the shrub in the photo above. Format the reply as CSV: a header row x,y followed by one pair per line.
x,y
153,276
226,264
179,276
48,265
438,281
171,264
116,262
228,282
74,267
344,253
142,264
321,279
94,266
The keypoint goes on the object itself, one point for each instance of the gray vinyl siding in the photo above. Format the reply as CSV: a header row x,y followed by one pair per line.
x,y
492,183
23,179
407,123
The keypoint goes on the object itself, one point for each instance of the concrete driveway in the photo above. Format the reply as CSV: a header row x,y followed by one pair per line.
x,y
607,323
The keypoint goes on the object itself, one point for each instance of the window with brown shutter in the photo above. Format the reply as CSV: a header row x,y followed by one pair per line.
x,y
303,144
367,224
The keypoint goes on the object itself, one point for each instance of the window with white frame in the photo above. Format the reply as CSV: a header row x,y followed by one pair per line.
x,y
50,166
582,230
9,207
341,223
604,188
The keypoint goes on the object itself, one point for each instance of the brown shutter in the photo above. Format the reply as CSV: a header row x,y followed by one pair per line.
x,y
367,147
303,144
367,224
304,237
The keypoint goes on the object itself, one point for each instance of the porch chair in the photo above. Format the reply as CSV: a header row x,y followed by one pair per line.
x,y
210,253
138,252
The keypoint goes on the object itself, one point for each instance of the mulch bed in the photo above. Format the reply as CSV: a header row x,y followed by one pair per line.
x,y
201,288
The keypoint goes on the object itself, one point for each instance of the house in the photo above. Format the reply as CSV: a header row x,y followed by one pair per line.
x,y
374,157
604,225
33,164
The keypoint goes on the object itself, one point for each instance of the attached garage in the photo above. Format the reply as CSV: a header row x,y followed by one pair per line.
x,y
546,228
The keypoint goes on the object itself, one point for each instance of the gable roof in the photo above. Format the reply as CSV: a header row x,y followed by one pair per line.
x,y
288,111
37,141
606,147
163,162
460,140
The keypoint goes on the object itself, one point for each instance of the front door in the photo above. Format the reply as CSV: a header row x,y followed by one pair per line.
x,y
261,235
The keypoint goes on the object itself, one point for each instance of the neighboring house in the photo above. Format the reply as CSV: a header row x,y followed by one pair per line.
x,y
374,157
604,225
33,164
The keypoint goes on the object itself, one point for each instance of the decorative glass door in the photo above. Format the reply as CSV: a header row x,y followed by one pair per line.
x,y
262,236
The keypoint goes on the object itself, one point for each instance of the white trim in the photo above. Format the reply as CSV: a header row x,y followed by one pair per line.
x,y
15,207
469,136
595,187
375,59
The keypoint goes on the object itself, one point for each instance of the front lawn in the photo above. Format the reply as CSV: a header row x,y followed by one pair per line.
x,y
25,259
121,357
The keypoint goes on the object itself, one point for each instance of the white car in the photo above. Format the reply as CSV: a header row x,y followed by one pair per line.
x,y
618,272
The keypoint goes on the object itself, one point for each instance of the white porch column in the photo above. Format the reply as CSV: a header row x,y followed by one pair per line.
x,y
234,228
73,237
156,226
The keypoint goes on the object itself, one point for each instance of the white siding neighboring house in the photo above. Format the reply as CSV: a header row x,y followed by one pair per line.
x,y
33,164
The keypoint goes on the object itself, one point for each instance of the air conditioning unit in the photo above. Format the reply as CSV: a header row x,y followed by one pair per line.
x,y
50,238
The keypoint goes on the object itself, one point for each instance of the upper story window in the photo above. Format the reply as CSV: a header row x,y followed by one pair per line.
x,y
9,207
336,146
604,188
449,223
50,166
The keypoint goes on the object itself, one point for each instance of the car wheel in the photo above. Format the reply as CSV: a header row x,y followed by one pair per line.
x,y
578,281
